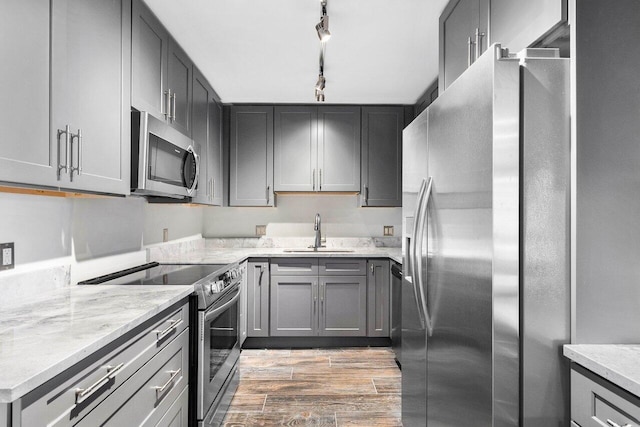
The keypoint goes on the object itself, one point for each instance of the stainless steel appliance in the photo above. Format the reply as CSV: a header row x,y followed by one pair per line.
x,y
215,338
164,162
485,243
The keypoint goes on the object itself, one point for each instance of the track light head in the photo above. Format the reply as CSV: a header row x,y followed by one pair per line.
x,y
322,28
319,95
320,83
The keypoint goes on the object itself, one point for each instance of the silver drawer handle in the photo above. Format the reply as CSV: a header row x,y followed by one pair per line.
x,y
614,424
83,394
161,334
163,388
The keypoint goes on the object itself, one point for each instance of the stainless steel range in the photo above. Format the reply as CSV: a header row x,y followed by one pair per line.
x,y
215,337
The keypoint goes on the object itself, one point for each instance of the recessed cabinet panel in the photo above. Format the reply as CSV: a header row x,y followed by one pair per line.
x,y
293,306
215,152
379,300
251,156
382,156
179,81
26,153
258,298
296,149
338,149
343,306
90,91
200,129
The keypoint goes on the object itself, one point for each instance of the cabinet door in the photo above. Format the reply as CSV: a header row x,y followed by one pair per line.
x,y
258,299
518,24
91,44
149,52
382,156
179,82
343,306
200,129
296,149
378,289
26,155
215,152
251,156
338,149
294,304
459,45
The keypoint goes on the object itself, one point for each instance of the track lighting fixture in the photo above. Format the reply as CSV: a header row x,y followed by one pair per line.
x,y
322,27
320,83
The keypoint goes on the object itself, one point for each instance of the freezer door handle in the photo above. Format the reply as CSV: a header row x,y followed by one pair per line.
x,y
413,253
420,283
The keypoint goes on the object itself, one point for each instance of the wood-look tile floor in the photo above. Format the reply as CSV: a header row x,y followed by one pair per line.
x,y
317,387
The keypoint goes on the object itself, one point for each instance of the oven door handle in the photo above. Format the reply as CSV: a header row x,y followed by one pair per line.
x,y
214,312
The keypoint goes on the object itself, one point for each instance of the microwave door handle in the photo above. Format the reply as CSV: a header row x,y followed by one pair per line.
x,y
216,311
197,172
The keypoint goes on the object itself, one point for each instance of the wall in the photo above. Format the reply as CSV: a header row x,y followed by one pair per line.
x,y
294,216
46,227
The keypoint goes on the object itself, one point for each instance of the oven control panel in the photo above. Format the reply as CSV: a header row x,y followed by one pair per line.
x,y
219,283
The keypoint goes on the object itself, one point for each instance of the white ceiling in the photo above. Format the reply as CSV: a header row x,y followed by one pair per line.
x,y
259,51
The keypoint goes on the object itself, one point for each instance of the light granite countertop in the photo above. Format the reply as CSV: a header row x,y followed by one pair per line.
x,y
39,341
617,363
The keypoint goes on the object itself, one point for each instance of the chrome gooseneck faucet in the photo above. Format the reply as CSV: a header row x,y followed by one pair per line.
x,y
316,227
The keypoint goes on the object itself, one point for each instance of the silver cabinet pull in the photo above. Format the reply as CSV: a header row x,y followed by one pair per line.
x,y
614,424
478,43
373,269
77,168
314,285
173,325
268,194
320,180
167,104
67,143
366,195
173,104
213,188
83,394
469,52
161,389
313,177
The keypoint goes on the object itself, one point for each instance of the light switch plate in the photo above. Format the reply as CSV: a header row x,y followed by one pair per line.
x,y
8,256
261,230
388,230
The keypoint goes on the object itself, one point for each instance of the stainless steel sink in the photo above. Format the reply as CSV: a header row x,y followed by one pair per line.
x,y
324,250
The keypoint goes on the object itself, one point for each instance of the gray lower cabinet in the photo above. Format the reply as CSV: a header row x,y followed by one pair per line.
x,y
251,156
294,306
75,58
596,402
343,306
134,380
382,156
379,298
161,73
258,298
463,37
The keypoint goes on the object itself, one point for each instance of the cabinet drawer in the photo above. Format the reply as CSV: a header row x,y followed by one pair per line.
x,y
294,266
595,401
59,402
149,393
342,267
178,413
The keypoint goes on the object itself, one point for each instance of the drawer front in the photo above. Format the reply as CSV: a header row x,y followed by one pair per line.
x,y
149,393
597,402
294,266
342,267
60,401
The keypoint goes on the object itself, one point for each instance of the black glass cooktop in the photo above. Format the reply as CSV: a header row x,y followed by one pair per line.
x,y
157,274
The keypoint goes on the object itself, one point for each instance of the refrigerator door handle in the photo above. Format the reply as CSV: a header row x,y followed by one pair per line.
x,y
420,282
413,252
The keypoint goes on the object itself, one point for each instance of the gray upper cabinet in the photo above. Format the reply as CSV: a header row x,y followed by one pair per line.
x,y
27,156
258,298
160,70
379,300
343,306
296,149
338,149
317,148
200,132
382,156
463,37
251,156
82,143
517,24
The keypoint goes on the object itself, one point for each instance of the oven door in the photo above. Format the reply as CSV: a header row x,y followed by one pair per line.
x,y
219,347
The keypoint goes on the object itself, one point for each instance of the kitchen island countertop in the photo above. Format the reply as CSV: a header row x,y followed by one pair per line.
x,y
40,340
617,363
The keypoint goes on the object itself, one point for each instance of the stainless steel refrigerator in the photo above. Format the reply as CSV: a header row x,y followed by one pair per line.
x,y
485,296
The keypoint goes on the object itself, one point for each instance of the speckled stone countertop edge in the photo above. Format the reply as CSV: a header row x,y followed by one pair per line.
x,y
617,363
26,368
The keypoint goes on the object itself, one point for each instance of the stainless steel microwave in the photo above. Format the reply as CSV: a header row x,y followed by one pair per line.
x,y
164,162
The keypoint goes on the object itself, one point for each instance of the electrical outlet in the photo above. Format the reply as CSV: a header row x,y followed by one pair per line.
x,y
261,230
8,256
165,234
388,230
